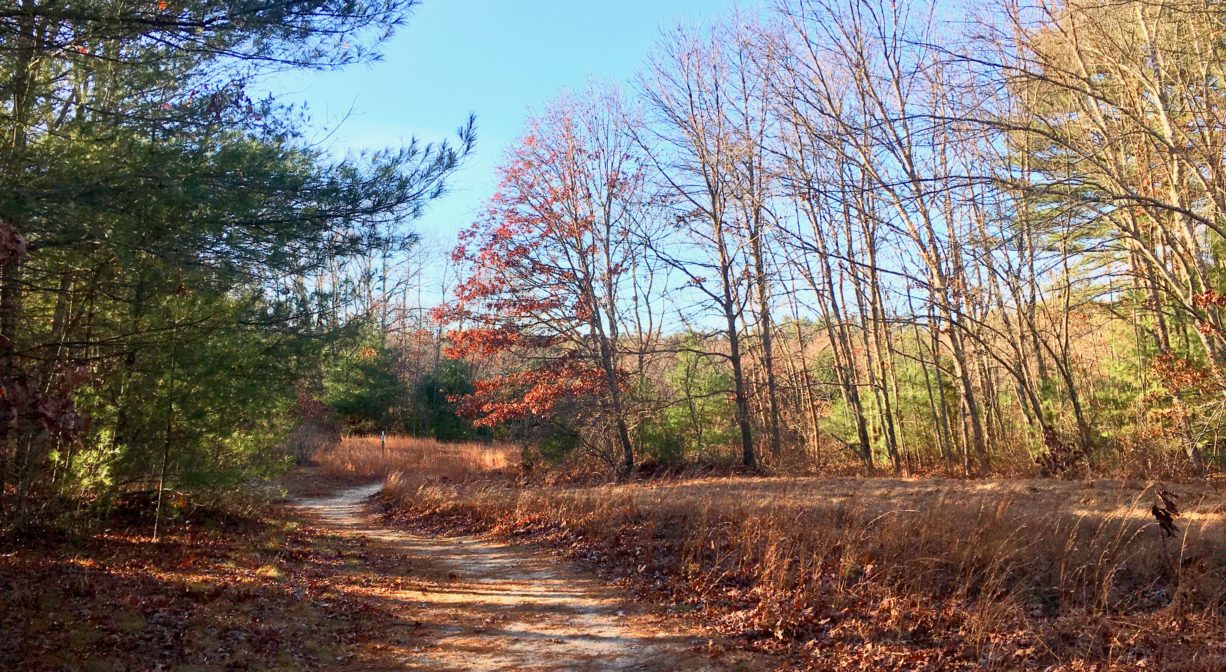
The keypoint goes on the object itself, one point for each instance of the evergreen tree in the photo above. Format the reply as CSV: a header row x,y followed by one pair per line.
x,y
168,273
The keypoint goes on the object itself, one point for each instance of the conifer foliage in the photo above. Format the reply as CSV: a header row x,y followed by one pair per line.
x,y
170,240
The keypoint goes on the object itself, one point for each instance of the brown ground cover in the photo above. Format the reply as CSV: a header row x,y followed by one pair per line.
x,y
829,573
250,588
313,583
884,573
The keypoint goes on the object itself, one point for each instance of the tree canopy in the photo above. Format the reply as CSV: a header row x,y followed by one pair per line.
x,y
173,248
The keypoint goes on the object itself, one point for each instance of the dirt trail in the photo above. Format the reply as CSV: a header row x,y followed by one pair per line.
x,y
473,604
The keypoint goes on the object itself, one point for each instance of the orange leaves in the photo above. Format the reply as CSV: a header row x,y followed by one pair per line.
x,y
1209,298
1206,300
1179,374
534,392
482,342
544,266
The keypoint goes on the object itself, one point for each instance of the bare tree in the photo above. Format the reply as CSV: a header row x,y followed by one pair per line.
x,y
698,149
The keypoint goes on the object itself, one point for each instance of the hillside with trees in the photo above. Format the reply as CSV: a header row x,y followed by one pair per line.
x,y
842,335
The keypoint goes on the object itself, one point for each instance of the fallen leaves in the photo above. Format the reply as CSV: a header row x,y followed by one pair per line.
x,y
844,605
241,594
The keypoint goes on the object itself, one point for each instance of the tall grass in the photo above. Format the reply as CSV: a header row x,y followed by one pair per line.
x,y
995,573
366,458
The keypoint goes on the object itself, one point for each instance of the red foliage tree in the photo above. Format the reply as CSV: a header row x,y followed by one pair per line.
x,y
547,267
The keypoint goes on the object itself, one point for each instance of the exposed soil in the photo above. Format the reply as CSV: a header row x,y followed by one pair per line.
x,y
480,605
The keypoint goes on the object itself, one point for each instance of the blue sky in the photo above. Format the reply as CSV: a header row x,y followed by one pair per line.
x,y
499,59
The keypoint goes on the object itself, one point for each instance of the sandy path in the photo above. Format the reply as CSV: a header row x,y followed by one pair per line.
x,y
474,604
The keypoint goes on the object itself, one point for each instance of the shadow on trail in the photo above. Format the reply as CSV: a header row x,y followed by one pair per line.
x,y
475,604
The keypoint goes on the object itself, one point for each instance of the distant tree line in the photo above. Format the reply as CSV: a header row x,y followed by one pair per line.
x,y
850,231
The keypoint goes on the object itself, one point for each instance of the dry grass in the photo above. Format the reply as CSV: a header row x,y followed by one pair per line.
x,y
890,573
365,458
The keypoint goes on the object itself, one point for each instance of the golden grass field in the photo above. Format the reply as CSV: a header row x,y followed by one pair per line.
x,y
363,458
953,574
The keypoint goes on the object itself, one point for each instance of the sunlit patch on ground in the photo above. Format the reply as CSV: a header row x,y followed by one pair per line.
x,y
253,594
